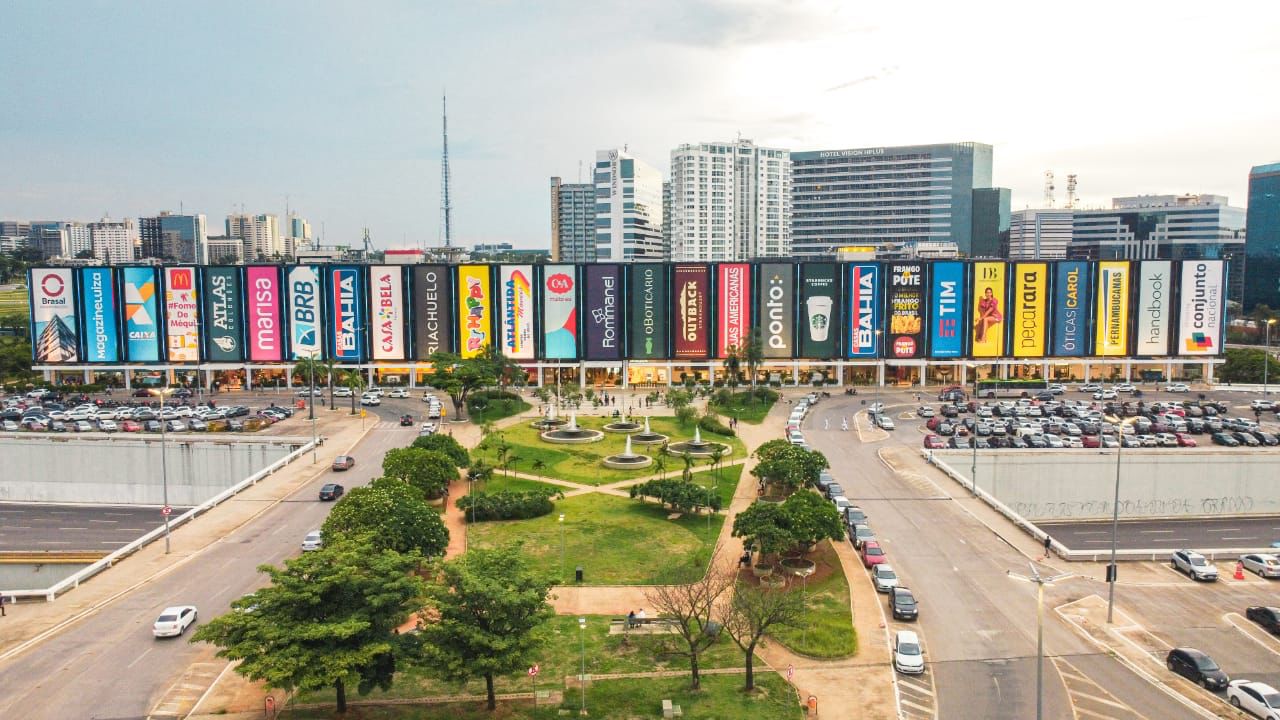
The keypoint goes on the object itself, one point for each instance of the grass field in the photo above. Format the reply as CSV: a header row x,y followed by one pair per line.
x,y
14,302
829,622
744,407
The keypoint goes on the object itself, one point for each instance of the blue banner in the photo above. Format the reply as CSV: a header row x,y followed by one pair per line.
x,y
98,312
1072,298
947,303
864,310
141,314
346,328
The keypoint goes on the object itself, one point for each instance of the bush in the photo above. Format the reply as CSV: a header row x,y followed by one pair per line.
x,y
507,505
712,424
678,494
446,445
686,415
490,405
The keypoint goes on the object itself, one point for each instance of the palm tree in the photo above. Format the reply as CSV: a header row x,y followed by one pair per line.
x,y
664,452
354,380
687,474
717,455
538,466
329,372
732,364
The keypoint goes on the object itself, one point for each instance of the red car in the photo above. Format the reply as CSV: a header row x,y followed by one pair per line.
x,y
130,426
935,421
872,554
1091,441
1185,440
344,462
933,442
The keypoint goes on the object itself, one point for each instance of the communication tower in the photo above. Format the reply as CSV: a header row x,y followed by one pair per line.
x,y
1071,191
1048,188
446,207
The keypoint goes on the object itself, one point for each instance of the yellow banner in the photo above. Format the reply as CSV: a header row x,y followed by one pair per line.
x,y
475,307
1113,309
988,309
1030,302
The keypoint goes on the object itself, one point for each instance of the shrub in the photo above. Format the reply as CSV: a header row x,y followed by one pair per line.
x,y
686,415
447,445
677,494
712,424
507,505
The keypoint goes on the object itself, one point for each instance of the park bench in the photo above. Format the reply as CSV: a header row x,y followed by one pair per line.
x,y
671,711
644,626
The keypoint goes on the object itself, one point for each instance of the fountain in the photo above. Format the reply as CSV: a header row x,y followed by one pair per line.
x,y
572,434
625,425
648,437
627,460
697,447
549,421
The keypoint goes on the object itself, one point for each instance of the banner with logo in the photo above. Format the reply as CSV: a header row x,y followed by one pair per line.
x,y
346,318
559,312
386,312
946,317
776,310
733,307
141,314
515,316
98,313
647,322
1072,298
432,311
1112,321
819,310
475,310
1031,309
1203,301
602,312
306,316
690,293
53,316
906,309
223,329
1154,322
988,310
262,310
181,314
864,310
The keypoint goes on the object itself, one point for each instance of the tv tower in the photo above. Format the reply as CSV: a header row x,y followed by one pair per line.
x,y
446,207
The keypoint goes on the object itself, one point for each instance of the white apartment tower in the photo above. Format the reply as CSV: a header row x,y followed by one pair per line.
x,y
112,241
628,209
729,201
1039,234
261,236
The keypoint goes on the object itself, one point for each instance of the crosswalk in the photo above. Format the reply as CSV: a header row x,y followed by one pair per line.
x,y
180,699
1089,699
916,697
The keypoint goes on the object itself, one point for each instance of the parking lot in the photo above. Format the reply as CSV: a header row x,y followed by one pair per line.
x,y
1168,533
26,527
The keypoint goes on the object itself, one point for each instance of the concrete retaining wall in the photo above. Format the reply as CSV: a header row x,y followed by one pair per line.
x,y
1173,482
127,471
30,575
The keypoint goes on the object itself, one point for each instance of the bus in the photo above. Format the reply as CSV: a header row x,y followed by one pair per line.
x,y
1009,388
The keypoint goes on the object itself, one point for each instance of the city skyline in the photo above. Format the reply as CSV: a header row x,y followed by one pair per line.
x,y
344,123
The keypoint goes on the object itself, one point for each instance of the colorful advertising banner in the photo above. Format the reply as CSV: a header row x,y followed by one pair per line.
x,y
432,311
305,316
516,315
819,310
1203,302
947,310
733,321
53,316
906,308
98,311
777,310
1072,298
1112,321
864,309
1154,322
559,312
346,321
1031,309
181,314
141,314
266,341
988,309
691,285
386,312
475,310
602,312
223,329
647,323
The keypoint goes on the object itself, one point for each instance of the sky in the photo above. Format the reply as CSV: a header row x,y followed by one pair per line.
x,y
333,108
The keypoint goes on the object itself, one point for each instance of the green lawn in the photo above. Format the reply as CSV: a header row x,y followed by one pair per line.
x,y
745,407
499,482
829,623
14,302
581,463
498,409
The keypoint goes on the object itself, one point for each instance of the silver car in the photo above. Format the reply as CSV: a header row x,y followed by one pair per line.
x,y
312,541
884,578
1263,564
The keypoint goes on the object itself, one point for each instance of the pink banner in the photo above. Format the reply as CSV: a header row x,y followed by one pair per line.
x,y
262,313
735,307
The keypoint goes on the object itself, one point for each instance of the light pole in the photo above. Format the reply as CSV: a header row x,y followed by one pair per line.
x,y
973,464
311,405
164,466
1040,581
1115,525
880,370
582,678
562,547
1266,357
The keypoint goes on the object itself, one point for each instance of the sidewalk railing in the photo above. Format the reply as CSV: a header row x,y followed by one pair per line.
x,y
73,581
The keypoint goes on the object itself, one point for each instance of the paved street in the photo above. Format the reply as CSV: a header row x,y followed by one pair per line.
x,y
1202,534
74,528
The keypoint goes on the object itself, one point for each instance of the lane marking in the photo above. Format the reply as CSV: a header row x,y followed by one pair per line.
x,y
135,660
1247,627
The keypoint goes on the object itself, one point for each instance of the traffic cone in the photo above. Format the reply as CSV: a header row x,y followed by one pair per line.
x,y
1239,570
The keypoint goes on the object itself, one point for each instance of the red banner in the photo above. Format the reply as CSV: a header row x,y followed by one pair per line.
x,y
690,287
734,309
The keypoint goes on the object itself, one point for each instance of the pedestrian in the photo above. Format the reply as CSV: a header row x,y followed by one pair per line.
x,y
2,602
631,619
1048,545
640,616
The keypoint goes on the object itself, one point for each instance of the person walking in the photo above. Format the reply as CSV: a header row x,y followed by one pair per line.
x,y
1048,546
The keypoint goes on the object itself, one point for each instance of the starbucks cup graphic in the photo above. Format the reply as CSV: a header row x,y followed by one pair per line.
x,y
819,317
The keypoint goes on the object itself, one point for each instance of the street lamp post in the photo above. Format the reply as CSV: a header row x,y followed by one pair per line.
x,y
311,405
582,678
164,469
1115,525
1040,581
562,547
880,370
1266,357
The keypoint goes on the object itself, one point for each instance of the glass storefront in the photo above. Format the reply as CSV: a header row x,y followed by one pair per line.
x,y
943,375
647,376
1067,372
902,375
603,377
861,375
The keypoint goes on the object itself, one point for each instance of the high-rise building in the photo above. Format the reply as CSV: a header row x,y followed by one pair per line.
x,y
729,201
1262,229
112,241
176,238
628,208
225,250
261,236
60,239
890,196
298,232
573,221
15,228
1039,234
990,226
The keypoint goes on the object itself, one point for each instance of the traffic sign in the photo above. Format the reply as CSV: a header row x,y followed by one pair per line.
x,y
533,671
166,510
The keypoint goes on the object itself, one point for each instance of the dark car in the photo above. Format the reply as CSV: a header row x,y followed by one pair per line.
x,y
1267,617
1017,442
1245,438
151,426
331,491
344,462
142,392
406,420
1036,441
958,443
950,411
903,604
1221,438
833,490
1197,667
982,444
182,393
235,426
1265,438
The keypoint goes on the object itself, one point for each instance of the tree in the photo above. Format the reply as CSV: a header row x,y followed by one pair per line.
x,y
504,369
328,618
1245,366
479,471
811,519
691,600
677,494
459,377
752,612
538,466
787,465
492,606
764,526
447,445
732,365
307,369
355,381
393,514
753,354
427,470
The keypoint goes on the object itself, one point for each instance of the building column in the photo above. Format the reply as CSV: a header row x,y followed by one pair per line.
x,y
626,372
248,378
128,379
711,374
840,373
1168,372
288,377
795,373
582,375
1208,372
964,375
880,373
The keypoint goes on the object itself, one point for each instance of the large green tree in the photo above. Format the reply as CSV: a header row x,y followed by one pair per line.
x,y
393,514
427,470
764,526
492,608
446,444
1245,366
811,519
328,618
459,377
787,465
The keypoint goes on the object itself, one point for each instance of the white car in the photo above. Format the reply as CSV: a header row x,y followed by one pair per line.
x,y
371,400
108,425
1264,564
1257,699
342,392
398,393
82,426
1255,405
908,656
184,411
1125,388
427,428
312,541
1072,441
1105,395
174,621
885,422
1177,388
1090,388
1056,388
884,578
1167,439
795,437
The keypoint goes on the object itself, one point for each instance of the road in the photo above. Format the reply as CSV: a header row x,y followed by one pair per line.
x,y
74,528
109,667
1203,534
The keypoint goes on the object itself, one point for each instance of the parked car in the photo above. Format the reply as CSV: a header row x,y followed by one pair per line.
x,y
151,426
1177,388
1185,440
902,604
174,621
934,442
854,516
312,541
833,489
344,462
885,422
1197,667
197,425
884,578
331,491
861,534
926,412
1221,438
86,426
1263,564
1267,617
175,426
1195,565
107,426
1256,698
342,392
872,554
908,657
